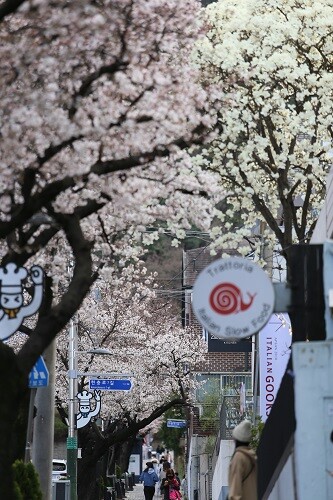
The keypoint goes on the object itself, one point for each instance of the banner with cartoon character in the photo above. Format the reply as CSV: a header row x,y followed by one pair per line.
x,y
85,412
13,310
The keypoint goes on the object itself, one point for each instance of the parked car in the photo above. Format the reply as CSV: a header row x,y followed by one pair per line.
x,y
59,469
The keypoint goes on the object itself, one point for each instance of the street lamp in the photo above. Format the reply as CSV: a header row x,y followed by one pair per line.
x,y
99,350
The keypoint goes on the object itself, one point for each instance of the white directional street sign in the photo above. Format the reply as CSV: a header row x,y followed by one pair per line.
x,y
39,375
233,298
110,384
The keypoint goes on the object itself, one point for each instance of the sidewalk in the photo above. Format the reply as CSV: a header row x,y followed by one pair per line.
x,y
137,493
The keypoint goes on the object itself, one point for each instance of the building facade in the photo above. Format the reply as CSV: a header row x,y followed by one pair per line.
x,y
225,372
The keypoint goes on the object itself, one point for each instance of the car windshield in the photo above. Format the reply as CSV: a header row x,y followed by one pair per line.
x,y
59,467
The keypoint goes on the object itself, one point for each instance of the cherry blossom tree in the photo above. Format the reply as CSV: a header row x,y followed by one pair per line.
x,y
271,62
98,107
146,343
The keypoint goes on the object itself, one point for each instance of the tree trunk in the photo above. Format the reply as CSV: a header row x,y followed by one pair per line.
x,y
89,466
13,414
123,453
87,485
92,475
120,454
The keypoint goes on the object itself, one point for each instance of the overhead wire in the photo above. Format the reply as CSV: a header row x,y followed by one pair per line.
x,y
172,292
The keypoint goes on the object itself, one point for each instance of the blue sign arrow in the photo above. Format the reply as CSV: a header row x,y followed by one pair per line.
x,y
39,375
176,424
103,384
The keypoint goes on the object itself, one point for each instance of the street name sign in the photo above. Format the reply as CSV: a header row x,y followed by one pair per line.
x,y
233,298
176,424
104,384
39,375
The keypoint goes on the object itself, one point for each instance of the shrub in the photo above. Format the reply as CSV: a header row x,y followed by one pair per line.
x,y
26,481
256,432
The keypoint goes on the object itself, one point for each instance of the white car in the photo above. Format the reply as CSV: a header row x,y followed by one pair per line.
x,y
59,469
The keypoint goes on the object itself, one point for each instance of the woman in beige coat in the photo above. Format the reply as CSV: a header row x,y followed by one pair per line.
x,y
243,465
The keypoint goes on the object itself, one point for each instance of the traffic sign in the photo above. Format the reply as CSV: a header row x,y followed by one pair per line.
x,y
233,298
103,384
176,424
39,375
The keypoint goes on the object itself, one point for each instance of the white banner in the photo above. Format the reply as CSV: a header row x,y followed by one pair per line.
x,y
274,352
134,464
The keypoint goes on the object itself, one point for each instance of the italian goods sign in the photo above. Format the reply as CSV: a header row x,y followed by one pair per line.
x,y
233,298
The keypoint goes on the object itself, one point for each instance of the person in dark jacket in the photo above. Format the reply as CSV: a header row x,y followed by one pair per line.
x,y
149,479
170,486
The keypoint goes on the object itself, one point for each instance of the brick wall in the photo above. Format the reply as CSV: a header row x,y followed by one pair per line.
x,y
222,362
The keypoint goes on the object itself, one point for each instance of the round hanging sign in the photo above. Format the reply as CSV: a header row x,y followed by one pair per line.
x,y
233,298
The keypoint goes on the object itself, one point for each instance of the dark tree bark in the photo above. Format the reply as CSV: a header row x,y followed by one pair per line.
x,y
13,396
9,7
121,455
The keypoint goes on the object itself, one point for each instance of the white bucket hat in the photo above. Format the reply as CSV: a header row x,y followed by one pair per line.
x,y
242,432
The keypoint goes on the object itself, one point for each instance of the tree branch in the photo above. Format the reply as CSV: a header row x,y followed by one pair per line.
x,y
24,212
9,7
52,323
119,436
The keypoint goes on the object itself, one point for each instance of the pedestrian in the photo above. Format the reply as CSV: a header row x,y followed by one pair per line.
x,y
167,455
183,485
166,464
149,479
170,486
158,451
162,473
243,465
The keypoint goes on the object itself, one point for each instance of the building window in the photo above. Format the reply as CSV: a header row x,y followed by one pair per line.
x,y
222,384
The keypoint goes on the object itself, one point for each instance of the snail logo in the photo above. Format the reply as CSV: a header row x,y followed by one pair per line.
x,y
226,298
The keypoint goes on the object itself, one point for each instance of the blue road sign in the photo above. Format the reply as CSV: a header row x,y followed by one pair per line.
x,y
39,375
107,384
176,424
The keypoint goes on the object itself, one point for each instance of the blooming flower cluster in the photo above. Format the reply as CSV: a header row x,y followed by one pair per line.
x,y
89,91
271,63
99,105
142,339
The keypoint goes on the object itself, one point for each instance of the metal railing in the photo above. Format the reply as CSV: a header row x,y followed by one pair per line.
x,y
230,416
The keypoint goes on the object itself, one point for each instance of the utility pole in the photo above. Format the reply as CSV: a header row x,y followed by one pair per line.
x,y
28,441
43,434
72,432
